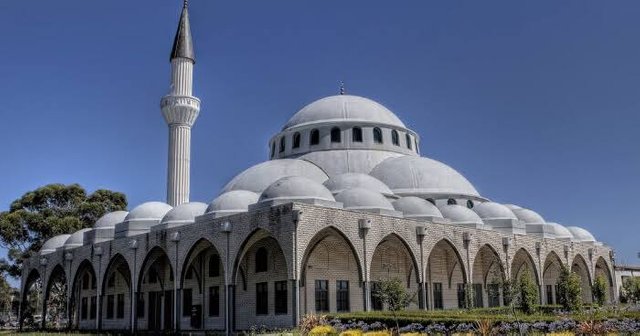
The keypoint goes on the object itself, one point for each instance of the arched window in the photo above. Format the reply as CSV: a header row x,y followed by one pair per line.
x,y
296,140
273,149
356,134
314,138
377,135
282,144
409,142
451,201
431,200
262,260
395,138
335,135
470,204
417,149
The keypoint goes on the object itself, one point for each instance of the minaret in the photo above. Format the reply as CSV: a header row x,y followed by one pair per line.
x,y
180,110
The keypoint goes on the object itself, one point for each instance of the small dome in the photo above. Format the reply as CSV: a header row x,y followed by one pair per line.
x,y
339,183
415,207
110,219
184,213
148,211
513,206
337,162
260,176
363,199
420,176
233,201
459,214
343,108
54,243
492,210
580,234
76,239
560,231
296,188
528,216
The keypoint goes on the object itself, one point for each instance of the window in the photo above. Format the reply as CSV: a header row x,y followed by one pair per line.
x,y
85,281
356,134
322,295
377,135
187,301
83,308
409,142
416,142
282,144
214,301
477,296
214,266
335,135
140,305
461,294
342,295
314,138
451,201
549,294
493,292
262,298
437,295
296,140
273,149
470,204
431,200
262,260
120,306
112,281
281,297
110,304
376,303
395,139
555,293
92,314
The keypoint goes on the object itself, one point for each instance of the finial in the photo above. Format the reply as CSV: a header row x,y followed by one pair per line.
x,y
186,4
341,88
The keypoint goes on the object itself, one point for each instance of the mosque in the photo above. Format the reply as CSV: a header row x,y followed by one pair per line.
x,y
345,201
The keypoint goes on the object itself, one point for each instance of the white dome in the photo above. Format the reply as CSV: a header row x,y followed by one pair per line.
x,y
110,219
342,182
581,234
459,214
184,213
560,231
492,210
54,243
528,216
149,211
512,206
233,201
76,239
296,188
344,108
415,207
420,176
363,199
260,176
336,162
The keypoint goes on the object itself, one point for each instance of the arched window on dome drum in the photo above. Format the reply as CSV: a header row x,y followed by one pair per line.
x,y
377,135
282,144
409,142
262,260
296,140
335,135
431,200
356,134
273,149
470,204
451,201
395,139
314,138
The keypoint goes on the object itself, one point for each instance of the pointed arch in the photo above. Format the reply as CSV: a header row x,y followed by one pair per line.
x,y
579,266
55,297
155,300
319,237
389,239
522,260
155,259
116,293
602,269
444,268
32,284
83,303
551,269
488,272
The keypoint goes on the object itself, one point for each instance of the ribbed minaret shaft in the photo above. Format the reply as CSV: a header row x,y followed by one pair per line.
x,y
180,110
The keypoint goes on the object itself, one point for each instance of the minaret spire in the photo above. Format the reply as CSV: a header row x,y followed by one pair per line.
x,y
180,110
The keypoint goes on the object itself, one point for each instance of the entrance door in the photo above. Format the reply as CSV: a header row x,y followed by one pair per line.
x,y
155,311
168,310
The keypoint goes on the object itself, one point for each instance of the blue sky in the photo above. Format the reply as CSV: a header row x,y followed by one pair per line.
x,y
536,103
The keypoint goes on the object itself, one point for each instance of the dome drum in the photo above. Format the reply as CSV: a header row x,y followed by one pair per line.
x,y
77,239
541,230
507,226
141,219
53,244
100,234
418,208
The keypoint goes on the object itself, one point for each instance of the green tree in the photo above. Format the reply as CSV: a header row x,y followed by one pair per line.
x,y
569,290
599,290
395,296
49,211
6,298
527,293
631,290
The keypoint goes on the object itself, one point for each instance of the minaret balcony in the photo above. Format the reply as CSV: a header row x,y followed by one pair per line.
x,y
180,110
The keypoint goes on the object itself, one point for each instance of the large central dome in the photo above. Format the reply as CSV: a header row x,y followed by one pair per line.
x,y
344,108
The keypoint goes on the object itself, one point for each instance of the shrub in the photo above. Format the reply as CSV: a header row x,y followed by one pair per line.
x,y
394,295
351,332
631,290
527,293
569,290
310,321
599,290
322,330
